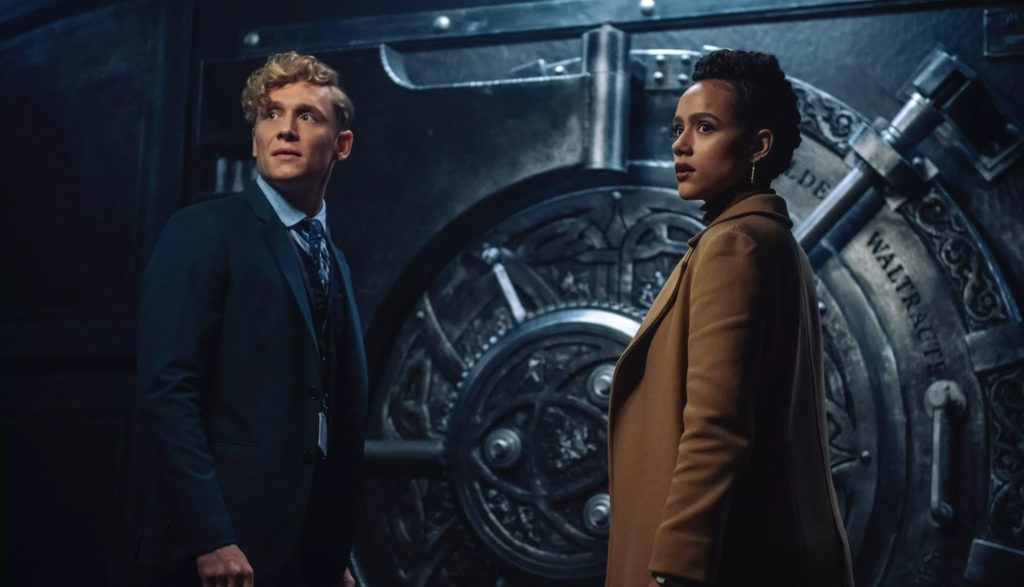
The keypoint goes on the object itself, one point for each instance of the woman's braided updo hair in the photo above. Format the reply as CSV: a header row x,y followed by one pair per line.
x,y
764,99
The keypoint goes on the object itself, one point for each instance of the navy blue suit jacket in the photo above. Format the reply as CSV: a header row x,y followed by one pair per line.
x,y
230,379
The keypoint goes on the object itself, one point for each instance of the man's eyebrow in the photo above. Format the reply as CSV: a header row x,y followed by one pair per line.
x,y
303,107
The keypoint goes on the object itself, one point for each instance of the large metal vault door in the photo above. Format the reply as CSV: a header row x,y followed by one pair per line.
x,y
488,424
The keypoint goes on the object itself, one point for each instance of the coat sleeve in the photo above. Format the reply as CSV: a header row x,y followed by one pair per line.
x,y
180,318
725,332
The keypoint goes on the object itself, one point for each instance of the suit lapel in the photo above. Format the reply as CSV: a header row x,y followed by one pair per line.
x,y
283,250
354,354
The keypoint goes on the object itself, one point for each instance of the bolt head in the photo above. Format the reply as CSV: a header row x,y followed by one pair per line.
x,y
251,39
490,255
647,7
442,23
502,448
597,513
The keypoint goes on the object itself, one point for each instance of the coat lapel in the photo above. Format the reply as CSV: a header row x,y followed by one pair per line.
x,y
283,250
661,303
767,204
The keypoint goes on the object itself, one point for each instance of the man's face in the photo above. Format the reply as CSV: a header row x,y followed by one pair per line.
x,y
296,139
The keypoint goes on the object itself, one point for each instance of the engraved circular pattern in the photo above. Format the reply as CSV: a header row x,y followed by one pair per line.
x,y
536,382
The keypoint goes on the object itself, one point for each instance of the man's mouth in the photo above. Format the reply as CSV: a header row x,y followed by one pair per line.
x,y
287,152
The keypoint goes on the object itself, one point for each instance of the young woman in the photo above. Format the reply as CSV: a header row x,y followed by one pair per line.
x,y
718,445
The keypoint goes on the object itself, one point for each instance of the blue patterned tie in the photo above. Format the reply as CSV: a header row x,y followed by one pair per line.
x,y
313,231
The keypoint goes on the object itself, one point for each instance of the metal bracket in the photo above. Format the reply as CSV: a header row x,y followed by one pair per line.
x,y
880,153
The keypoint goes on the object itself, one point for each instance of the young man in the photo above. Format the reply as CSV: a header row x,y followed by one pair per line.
x,y
252,375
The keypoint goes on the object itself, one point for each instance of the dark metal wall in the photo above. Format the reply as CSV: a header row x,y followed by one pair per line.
x,y
500,139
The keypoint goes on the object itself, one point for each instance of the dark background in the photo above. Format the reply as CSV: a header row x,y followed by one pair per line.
x,y
103,135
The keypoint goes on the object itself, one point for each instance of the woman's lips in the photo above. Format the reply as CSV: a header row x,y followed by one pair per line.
x,y
683,172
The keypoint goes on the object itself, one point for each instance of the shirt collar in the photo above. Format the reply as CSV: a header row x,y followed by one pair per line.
x,y
289,215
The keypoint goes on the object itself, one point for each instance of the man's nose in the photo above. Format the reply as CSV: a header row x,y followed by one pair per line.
x,y
288,130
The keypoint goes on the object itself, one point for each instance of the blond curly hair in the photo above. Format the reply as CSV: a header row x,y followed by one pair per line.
x,y
287,68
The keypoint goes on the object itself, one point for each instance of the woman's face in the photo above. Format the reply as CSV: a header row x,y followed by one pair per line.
x,y
711,151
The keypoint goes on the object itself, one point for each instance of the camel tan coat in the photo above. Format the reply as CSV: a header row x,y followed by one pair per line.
x,y
717,442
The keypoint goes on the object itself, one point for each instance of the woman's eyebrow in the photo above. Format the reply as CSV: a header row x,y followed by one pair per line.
x,y
701,115
677,120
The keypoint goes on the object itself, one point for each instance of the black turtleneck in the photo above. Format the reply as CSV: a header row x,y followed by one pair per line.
x,y
714,207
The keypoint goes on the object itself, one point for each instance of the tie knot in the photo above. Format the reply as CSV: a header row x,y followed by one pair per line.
x,y
316,230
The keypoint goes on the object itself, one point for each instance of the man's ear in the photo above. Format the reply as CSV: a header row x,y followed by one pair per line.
x,y
762,144
344,144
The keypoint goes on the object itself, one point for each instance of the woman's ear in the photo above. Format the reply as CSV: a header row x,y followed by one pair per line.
x,y
762,144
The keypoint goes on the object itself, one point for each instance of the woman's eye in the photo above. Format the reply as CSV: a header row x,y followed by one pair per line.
x,y
676,131
705,127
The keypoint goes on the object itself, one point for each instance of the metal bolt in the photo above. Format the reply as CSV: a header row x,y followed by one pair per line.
x,y
616,195
442,24
660,59
684,59
596,513
659,76
822,308
502,448
599,384
490,254
251,39
559,70
942,513
865,456
683,78
945,394
647,7
420,314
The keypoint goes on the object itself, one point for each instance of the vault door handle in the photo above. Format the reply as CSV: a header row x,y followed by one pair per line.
x,y
945,401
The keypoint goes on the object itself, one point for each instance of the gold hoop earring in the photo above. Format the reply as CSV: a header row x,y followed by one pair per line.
x,y
753,171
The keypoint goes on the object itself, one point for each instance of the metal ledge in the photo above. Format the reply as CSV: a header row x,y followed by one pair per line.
x,y
550,18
